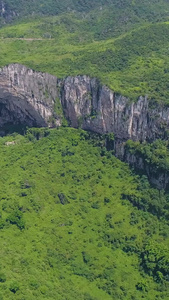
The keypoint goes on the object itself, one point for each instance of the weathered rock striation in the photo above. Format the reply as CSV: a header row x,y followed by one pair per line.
x,y
85,102
40,99
27,97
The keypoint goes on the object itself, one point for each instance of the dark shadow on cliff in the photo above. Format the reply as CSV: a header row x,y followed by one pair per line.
x,y
16,114
10,129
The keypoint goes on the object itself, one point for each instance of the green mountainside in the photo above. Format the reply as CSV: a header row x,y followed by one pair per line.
x,y
68,226
133,63
75,222
126,10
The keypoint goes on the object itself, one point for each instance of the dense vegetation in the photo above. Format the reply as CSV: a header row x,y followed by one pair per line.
x,y
68,228
156,153
155,159
128,11
75,223
133,63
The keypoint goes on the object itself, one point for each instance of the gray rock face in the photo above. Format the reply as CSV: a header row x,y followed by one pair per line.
x,y
33,96
40,99
103,111
99,109
27,97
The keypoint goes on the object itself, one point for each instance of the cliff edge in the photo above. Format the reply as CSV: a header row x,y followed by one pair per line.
x,y
40,98
33,98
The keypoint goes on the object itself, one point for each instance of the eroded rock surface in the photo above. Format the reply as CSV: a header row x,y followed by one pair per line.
x,y
40,99
27,97
86,103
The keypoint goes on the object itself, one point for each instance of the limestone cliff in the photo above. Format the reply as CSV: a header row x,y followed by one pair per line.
x,y
40,99
86,103
27,97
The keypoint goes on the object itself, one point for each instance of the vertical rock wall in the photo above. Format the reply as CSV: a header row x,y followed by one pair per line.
x,y
40,99
85,103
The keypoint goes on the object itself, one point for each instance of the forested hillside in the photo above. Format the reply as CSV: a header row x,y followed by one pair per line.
x,y
75,222
132,63
126,10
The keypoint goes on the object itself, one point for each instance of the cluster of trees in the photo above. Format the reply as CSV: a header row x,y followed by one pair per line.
x,y
155,154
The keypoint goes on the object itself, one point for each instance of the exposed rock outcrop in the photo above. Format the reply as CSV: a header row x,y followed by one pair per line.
x,y
85,102
27,97
101,110
40,99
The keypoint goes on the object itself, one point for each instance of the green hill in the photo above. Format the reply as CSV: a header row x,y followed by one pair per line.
x,y
68,228
124,43
75,222
133,10
133,64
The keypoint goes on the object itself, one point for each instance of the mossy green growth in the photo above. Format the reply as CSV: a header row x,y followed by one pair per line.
x,y
58,109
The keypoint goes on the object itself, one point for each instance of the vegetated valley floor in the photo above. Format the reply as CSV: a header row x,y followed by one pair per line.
x,y
75,222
